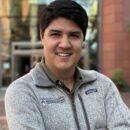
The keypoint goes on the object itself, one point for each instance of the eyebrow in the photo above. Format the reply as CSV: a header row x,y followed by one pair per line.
x,y
71,32
55,30
76,32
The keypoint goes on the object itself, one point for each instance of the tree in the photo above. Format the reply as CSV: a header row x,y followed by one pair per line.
x,y
19,28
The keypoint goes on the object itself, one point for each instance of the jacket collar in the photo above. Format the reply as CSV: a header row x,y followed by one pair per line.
x,y
41,79
87,75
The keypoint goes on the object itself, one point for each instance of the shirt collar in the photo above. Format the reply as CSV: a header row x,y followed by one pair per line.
x,y
42,77
47,71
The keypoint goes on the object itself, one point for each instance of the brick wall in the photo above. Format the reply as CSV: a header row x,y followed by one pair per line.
x,y
115,37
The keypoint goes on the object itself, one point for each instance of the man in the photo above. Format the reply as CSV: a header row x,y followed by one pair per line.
x,y
56,94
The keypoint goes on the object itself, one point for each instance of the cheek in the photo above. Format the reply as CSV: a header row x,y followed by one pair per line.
x,y
47,45
49,50
78,48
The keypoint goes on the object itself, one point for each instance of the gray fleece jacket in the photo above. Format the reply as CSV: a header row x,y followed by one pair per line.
x,y
34,102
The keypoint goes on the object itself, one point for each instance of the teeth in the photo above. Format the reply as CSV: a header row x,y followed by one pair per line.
x,y
63,54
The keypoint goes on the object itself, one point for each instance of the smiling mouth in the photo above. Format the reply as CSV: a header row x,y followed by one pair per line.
x,y
62,54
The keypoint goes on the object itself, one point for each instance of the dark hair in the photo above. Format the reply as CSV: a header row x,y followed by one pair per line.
x,y
64,8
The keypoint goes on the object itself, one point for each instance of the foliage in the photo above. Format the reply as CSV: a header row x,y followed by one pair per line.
x,y
118,78
19,27
129,28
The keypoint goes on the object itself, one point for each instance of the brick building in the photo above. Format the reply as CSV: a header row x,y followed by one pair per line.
x,y
115,34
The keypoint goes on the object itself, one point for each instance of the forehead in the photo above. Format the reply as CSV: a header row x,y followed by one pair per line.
x,y
62,23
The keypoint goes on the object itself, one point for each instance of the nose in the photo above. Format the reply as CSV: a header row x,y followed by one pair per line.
x,y
65,43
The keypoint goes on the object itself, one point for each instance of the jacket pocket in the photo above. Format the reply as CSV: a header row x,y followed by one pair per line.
x,y
52,100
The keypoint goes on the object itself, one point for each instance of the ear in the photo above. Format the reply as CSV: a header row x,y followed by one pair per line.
x,y
41,35
83,45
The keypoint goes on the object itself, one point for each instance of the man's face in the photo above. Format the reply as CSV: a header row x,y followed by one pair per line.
x,y
62,41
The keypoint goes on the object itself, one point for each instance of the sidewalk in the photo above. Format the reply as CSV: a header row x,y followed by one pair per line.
x,y
3,123
2,92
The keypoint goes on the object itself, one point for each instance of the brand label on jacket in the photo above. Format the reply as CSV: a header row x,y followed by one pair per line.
x,y
90,91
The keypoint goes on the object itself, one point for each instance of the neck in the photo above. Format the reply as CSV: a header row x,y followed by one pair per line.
x,y
69,83
66,76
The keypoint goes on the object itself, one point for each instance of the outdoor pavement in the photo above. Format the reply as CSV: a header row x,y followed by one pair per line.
x,y
3,122
2,92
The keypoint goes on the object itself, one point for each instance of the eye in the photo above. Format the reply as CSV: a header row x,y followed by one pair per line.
x,y
75,36
55,34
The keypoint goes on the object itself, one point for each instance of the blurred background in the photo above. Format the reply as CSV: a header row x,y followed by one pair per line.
x,y
107,43
20,42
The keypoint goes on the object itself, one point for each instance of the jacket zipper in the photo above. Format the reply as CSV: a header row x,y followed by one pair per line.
x,y
71,97
84,111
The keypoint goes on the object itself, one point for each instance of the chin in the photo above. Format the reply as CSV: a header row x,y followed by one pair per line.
x,y
65,67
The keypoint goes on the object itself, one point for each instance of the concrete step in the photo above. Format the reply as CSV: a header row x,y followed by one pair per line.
x,y
2,92
3,123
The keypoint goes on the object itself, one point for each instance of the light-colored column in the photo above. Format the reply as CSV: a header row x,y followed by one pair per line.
x,y
0,47
0,68
33,24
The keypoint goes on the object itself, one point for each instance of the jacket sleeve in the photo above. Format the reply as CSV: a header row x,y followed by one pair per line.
x,y
118,114
22,110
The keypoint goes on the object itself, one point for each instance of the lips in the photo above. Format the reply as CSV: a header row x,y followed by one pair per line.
x,y
63,54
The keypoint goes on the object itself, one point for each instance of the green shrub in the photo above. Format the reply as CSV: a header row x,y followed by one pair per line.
x,y
118,79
